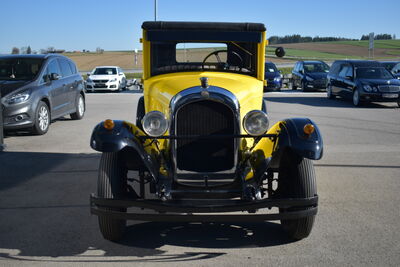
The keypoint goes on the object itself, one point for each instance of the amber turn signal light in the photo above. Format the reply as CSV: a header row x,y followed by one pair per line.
x,y
109,124
308,129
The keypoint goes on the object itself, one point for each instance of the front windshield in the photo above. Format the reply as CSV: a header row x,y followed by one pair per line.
x,y
105,71
389,65
270,68
373,73
222,56
316,67
19,68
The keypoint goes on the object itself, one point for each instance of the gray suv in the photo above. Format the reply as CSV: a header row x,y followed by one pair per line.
x,y
36,89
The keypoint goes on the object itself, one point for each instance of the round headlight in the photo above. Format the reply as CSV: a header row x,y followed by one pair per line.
x,y
256,122
155,123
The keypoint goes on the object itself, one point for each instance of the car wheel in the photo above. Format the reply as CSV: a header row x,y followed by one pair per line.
x,y
296,180
112,183
80,108
140,113
356,98
303,86
329,94
42,119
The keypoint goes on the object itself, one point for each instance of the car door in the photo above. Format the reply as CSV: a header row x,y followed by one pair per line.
x,y
341,80
295,74
68,86
348,82
56,92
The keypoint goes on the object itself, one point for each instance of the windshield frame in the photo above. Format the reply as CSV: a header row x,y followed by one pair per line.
x,y
12,72
390,75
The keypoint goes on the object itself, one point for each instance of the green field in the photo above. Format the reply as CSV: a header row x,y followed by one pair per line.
x,y
386,44
308,54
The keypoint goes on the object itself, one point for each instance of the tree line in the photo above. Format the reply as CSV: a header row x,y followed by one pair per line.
x,y
297,38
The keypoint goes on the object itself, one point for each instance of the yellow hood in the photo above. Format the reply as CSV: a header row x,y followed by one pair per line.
x,y
159,90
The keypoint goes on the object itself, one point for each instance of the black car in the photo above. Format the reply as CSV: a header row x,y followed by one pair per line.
x,y
393,67
309,75
362,81
37,89
273,77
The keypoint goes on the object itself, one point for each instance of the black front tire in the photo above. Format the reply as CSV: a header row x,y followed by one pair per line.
x,y
356,98
42,119
296,180
112,183
80,108
140,112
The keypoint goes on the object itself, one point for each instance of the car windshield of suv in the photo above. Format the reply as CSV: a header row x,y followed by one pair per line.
x,y
373,73
105,71
19,68
316,67
222,56
270,68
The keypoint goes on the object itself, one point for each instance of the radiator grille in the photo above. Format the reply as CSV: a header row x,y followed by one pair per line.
x,y
389,88
205,155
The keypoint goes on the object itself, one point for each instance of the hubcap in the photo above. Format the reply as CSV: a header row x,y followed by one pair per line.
x,y
43,118
328,91
81,106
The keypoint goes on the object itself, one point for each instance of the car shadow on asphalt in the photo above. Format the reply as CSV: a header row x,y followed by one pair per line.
x,y
322,101
44,211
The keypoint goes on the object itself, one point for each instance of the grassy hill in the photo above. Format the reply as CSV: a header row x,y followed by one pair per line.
x,y
384,50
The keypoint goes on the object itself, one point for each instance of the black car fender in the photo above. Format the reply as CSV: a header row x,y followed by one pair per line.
x,y
292,137
124,138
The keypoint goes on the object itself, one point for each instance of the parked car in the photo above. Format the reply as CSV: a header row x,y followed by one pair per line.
x,y
37,89
309,75
393,67
110,78
273,77
362,81
202,142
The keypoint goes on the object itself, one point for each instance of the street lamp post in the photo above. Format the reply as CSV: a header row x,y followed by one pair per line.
x,y
1,126
155,10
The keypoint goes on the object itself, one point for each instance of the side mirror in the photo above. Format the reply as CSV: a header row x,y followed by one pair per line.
x,y
120,74
280,52
88,74
54,76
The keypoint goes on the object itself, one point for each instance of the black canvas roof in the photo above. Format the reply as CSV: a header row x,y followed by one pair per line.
x,y
208,26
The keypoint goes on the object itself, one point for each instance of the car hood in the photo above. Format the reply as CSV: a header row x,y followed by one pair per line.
x,y
317,75
162,88
375,82
102,77
272,75
7,87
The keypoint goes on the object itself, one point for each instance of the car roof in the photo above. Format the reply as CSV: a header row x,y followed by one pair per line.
x,y
39,56
198,26
361,63
106,67
312,61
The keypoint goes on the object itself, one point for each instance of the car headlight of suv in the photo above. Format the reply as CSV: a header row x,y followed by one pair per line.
x,y
18,97
277,79
112,80
155,123
309,79
367,88
88,80
256,122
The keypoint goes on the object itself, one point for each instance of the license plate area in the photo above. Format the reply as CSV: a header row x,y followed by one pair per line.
x,y
390,95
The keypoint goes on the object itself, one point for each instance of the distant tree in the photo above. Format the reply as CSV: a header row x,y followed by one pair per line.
x,y
364,37
15,50
29,50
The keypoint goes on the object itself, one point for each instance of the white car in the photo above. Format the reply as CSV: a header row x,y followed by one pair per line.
x,y
106,78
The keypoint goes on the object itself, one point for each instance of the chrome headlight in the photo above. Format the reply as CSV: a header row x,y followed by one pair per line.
x,y
112,80
19,97
256,122
88,80
367,88
155,123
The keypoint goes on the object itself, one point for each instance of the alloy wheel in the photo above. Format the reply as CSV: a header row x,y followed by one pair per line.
x,y
43,118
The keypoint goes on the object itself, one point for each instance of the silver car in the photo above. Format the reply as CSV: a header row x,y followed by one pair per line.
x,y
36,89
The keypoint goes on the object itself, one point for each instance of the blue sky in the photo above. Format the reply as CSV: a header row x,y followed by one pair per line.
x,y
115,24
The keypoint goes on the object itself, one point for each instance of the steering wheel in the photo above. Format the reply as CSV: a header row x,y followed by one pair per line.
x,y
222,65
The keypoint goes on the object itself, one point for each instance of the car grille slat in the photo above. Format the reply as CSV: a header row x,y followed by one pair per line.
x,y
389,88
205,155
100,81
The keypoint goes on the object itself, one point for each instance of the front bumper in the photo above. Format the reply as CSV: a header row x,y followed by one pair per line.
x,y
113,86
273,84
381,97
182,210
18,116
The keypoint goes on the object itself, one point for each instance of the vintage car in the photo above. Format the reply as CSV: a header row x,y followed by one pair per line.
x,y
201,149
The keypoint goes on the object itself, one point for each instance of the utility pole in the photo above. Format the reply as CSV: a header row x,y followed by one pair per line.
x,y
1,126
155,10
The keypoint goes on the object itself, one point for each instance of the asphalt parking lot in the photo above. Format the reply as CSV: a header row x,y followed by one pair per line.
x,y
45,182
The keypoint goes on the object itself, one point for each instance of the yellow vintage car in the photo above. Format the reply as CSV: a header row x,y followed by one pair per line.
x,y
202,149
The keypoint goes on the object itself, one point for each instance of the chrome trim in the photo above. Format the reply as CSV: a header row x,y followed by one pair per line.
x,y
194,94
